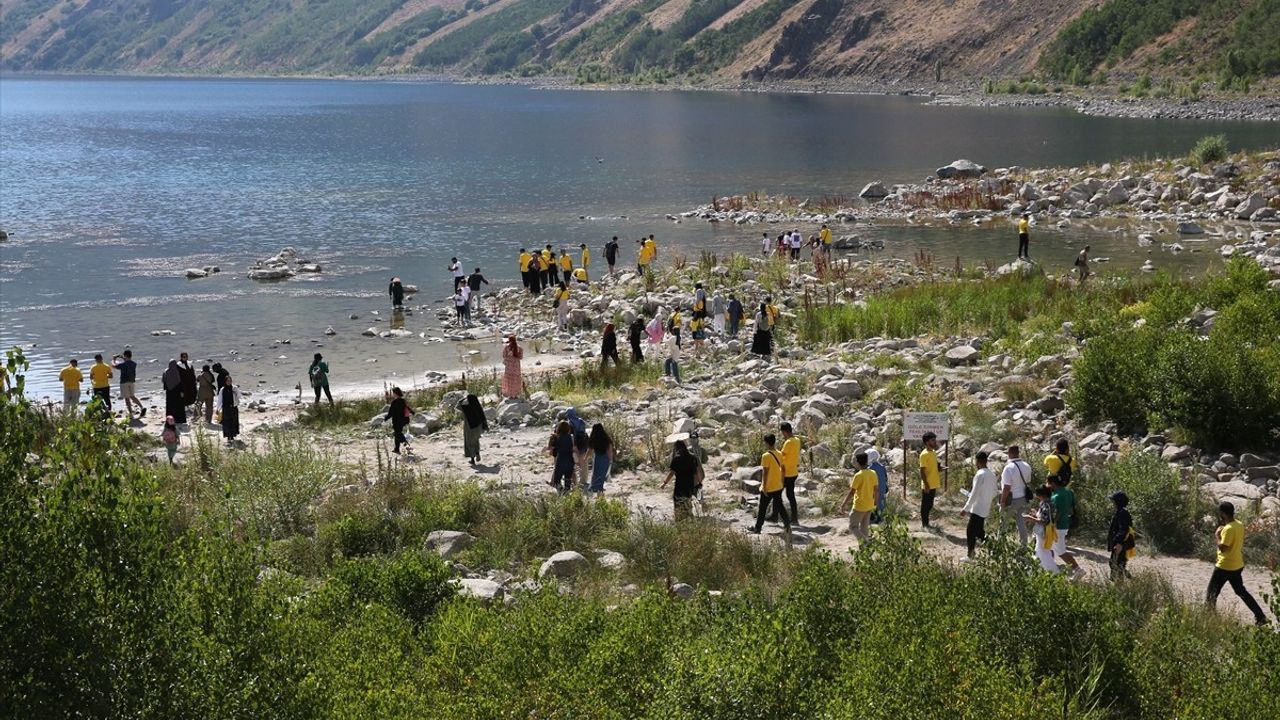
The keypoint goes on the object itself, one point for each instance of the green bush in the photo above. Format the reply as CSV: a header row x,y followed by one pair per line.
x,y
1210,149
1168,514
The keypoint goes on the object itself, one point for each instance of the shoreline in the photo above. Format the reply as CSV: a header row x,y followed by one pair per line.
x,y
963,93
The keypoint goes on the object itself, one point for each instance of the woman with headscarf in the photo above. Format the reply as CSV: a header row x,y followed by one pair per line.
x,y
634,334
512,382
560,446
318,373
609,347
581,444
473,424
228,406
173,404
220,376
762,343
603,452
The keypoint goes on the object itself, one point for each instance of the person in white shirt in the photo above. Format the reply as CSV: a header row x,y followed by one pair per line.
x,y
462,305
672,364
796,243
978,506
455,267
766,245
1015,489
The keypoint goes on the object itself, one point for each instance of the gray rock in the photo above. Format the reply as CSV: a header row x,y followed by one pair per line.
x,y
843,390
874,191
564,564
684,591
1189,228
448,543
1249,460
1251,205
486,591
512,411
1175,453
1233,488
961,169
1263,472
194,273
610,560
962,355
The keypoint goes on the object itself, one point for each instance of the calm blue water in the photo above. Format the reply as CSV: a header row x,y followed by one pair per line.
x,y
111,187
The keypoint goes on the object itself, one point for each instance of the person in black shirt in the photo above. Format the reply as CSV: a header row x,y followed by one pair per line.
x,y
611,253
128,383
474,281
609,347
1120,536
399,413
688,476
396,291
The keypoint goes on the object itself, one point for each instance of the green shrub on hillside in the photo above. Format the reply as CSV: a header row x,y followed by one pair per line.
x,y
1111,32
1167,513
1209,149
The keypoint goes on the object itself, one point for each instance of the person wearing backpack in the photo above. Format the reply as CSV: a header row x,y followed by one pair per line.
x,y
1059,463
319,376
1120,537
1044,528
1064,511
771,486
581,444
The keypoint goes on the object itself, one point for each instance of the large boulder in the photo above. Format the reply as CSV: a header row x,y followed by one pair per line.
x,y
1016,267
270,273
1220,491
874,190
1251,205
843,390
195,273
961,169
564,564
448,542
1189,228
962,355
513,410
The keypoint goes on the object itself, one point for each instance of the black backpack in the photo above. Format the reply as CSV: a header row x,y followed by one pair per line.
x,y
1064,472
580,441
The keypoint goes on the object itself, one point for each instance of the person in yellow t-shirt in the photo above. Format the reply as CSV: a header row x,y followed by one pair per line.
x,y
825,236
71,378
566,266
771,313
771,486
1061,456
548,267
653,248
790,466
697,328
586,257
1230,565
930,477
864,493
525,259
100,377
580,275
643,257
1024,236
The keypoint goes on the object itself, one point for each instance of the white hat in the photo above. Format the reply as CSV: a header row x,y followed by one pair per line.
x,y
873,455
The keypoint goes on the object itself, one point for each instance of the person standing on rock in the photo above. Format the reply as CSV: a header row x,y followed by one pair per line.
x,y
1024,237
128,383
824,236
643,258
1015,489
171,379
205,393
512,379
675,322
525,261
735,314
1044,529
547,261
882,484
561,448
228,408
455,268
581,444
100,380
862,498
978,506
566,266
602,455
396,290
1120,537
534,275
796,241
930,477
635,332
687,473
399,414
1082,264
771,486
318,374
699,301
474,424
585,265
719,308
460,304
1229,568
609,347
474,281
790,469
611,253
671,366
561,306
762,342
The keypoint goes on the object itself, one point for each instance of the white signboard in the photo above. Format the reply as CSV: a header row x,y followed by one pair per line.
x,y
916,424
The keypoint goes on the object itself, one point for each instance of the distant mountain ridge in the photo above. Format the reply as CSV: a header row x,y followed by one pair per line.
x,y
639,40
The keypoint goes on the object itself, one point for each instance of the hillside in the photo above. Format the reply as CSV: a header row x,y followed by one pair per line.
x,y
621,40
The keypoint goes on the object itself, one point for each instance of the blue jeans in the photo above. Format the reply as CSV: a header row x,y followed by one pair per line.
x,y
672,368
599,471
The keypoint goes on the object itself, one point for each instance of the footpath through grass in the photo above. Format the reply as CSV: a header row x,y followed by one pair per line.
x,y
126,593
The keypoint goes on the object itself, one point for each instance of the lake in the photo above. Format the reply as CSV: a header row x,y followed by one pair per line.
x,y
110,187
